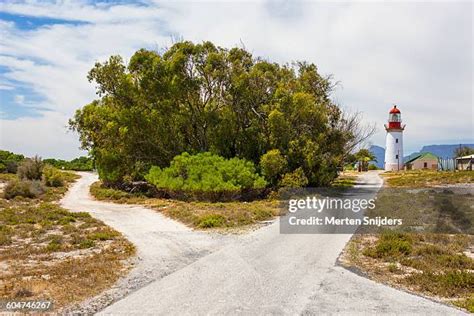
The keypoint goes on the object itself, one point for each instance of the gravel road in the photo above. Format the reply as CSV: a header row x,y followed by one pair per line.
x,y
264,272
163,245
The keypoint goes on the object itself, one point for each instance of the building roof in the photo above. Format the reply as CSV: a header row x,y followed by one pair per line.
x,y
466,157
394,110
426,155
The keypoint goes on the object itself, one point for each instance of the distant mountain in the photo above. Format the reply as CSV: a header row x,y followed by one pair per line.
x,y
442,151
379,153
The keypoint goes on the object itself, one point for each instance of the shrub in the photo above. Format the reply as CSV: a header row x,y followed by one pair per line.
x,y
273,164
11,167
206,172
5,235
52,177
31,169
295,179
373,167
391,245
9,161
211,220
24,188
87,243
78,164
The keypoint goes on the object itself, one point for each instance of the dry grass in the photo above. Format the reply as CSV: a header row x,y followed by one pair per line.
x,y
436,265
49,253
427,178
202,215
347,179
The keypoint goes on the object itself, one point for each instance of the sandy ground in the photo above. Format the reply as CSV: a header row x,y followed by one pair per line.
x,y
163,245
264,272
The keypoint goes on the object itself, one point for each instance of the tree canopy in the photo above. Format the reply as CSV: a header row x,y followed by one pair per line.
x,y
203,98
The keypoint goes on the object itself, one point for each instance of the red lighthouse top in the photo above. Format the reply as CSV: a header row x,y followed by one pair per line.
x,y
394,110
394,119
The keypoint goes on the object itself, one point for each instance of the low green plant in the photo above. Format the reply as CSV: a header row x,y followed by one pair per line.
x,y
55,243
5,235
52,177
206,172
103,235
87,243
211,220
23,188
390,245
467,303
373,167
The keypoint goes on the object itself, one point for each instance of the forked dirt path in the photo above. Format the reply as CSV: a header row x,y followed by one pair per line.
x,y
163,245
264,272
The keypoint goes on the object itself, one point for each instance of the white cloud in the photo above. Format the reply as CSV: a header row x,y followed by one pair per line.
x,y
19,99
418,55
46,136
6,87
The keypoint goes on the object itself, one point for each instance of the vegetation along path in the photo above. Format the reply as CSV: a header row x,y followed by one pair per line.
x,y
163,245
264,272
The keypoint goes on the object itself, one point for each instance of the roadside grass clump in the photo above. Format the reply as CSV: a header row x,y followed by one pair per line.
x,y
210,221
427,178
391,245
344,181
6,177
467,303
207,215
49,251
103,234
206,176
192,213
101,192
75,252
53,184
452,283
438,265
55,243
5,235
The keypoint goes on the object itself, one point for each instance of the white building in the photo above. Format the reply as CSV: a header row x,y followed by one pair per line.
x,y
394,141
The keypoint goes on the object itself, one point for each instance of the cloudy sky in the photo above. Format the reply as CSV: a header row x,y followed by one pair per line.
x,y
417,55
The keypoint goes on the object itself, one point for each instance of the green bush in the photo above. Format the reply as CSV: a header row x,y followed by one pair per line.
x,y
206,172
78,164
273,165
295,179
373,167
30,169
391,245
52,177
24,188
211,220
9,161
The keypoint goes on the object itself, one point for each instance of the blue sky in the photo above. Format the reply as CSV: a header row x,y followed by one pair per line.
x,y
418,55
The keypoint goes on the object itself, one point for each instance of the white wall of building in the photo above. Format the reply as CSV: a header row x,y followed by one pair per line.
x,y
394,149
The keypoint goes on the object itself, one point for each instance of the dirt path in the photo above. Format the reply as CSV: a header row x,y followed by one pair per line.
x,y
163,245
267,272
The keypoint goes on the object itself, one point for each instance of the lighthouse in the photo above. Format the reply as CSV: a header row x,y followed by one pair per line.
x,y
394,141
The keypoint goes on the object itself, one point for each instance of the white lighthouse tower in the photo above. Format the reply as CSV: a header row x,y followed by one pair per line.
x,y
394,141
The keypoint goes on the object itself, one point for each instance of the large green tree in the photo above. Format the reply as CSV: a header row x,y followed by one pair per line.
x,y
200,97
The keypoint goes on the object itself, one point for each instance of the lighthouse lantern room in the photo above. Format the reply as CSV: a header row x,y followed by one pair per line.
x,y
394,141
